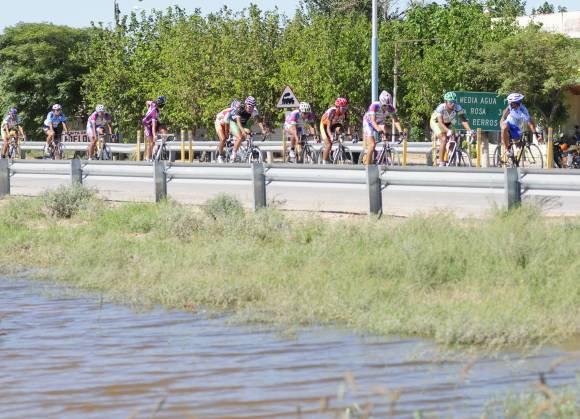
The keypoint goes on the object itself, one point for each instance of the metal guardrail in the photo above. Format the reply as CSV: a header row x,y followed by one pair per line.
x,y
210,146
513,181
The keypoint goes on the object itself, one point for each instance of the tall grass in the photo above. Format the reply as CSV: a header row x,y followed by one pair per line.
x,y
511,278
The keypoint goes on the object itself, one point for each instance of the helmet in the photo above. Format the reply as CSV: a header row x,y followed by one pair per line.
x,y
160,101
304,107
564,146
100,108
450,97
250,101
515,98
385,98
235,104
13,111
341,102
56,107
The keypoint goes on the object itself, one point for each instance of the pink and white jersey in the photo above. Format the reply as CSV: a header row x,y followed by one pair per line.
x,y
223,116
376,110
299,119
97,121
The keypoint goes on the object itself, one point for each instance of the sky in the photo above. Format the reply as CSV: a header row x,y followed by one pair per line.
x,y
80,13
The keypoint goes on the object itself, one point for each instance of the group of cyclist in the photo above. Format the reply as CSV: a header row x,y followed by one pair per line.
x,y
237,119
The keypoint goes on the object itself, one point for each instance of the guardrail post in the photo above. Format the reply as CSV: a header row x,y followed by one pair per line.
x,y
159,180
374,189
405,148
478,150
138,146
513,188
259,185
4,177
182,138
550,149
190,138
76,172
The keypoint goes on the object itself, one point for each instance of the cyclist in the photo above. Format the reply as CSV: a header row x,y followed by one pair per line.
x,y
54,124
11,122
443,119
294,125
151,124
374,122
240,123
222,126
512,121
333,121
96,125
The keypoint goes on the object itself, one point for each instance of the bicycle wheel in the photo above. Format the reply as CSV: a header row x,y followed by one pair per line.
x,y
309,155
497,162
463,159
105,153
13,151
342,156
392,158
532,157
254,155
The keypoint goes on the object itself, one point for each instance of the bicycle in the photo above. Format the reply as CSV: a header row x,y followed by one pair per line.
x,y
456,154
248,152
524,154
305,153
341,154
387,155
161,151
13,146
102,150
55,150
568,157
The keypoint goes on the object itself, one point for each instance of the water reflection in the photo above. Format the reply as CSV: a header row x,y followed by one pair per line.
x,y
69,356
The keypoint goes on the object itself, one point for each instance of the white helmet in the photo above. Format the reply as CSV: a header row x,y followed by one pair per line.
x,y
304,107
100,108
56,107
515,98
385,98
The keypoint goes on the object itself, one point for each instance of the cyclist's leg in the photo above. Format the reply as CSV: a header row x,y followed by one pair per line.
x,y
5,138
327,144
92,144
150,142
220,130
369,136
440,134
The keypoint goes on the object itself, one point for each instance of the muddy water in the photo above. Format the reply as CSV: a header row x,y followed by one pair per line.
x,y
68,356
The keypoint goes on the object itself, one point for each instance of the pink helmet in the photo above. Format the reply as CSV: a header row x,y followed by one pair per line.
x,y
341,102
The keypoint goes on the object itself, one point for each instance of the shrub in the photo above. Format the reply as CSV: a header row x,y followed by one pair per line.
x,y
223,206
66,201
179,221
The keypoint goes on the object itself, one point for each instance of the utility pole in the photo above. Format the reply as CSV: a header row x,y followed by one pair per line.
x,y
375,53
116,12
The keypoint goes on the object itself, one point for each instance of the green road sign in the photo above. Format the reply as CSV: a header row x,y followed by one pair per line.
x,y
483,110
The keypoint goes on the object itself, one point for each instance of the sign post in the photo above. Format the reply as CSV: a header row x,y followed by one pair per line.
x,y
287,100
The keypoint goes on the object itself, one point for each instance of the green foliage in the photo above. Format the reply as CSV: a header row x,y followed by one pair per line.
x,y
543,65
38,69
66,201
223,206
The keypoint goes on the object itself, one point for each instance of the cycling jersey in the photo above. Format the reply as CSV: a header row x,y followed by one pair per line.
x,y
518,116
295,118
54,119
448,115
380,116
333,117
98,121
244,116
10,123
151,115
223,116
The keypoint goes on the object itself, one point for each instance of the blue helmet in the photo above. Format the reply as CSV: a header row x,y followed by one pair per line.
x,y
515,98
160,101
13,111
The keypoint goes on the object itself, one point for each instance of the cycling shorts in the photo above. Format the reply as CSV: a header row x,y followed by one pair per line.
x,y
57,130
434,124
323,133
515,131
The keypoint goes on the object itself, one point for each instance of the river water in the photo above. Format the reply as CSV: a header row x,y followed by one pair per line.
x,y
68,356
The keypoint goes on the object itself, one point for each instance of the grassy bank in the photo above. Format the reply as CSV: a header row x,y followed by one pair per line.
x,y
508,279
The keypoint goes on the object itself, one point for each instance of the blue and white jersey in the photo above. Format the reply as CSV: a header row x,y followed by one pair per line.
x,y
518,117
54,119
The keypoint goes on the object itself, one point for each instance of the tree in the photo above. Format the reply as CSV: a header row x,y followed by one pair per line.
x,y
38,68
505,8
539,64
548,8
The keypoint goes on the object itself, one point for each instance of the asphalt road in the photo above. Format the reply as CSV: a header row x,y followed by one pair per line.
x,y
397,200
